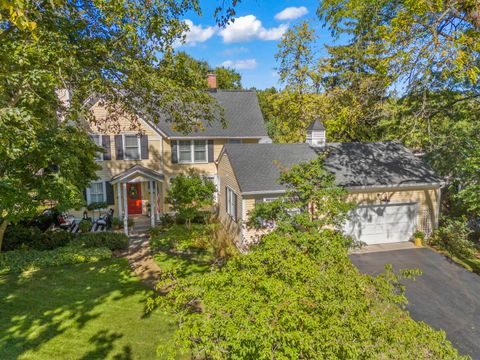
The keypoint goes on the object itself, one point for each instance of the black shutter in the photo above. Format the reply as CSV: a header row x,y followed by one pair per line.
x,y
110,194
119,147
144,146
85,195
211,155
107,155
174,151
235,207
226,199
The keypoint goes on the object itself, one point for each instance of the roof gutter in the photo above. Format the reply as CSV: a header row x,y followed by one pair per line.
x,y
360,188
260,192
206,137
392,187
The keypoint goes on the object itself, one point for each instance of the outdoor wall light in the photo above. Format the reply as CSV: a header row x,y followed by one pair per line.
x,y
383,198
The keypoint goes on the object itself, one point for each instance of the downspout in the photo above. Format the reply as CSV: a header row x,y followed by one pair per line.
x,y
439,204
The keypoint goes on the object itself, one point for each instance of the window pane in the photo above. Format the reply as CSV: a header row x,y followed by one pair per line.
x,y
185,151
97,140
131,141
131,147
200,150
132,153
96,192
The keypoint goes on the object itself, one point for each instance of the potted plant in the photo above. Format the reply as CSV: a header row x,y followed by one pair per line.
x,y
85,225
97,206
418,238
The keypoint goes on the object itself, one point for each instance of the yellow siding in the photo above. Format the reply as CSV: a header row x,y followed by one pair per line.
x,y
204,168
252,236
427,200
110,168
227,178
159,154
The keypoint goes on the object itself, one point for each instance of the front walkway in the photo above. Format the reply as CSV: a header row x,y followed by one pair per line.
x,y
141,261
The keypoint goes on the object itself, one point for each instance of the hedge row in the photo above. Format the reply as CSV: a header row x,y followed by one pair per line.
x,y
111,240
22,237
20,260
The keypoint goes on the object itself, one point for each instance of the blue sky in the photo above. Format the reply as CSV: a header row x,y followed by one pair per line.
x,y
250,43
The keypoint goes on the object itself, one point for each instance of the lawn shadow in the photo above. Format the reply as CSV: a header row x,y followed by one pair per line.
x,y
44,304
104,344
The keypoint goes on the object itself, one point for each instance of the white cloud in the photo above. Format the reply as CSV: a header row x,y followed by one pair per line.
x,y
248,27
291,13
246,64
197,33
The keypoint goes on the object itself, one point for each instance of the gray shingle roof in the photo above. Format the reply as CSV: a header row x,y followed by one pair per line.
x,y
256,166
242,115
316,125
377,164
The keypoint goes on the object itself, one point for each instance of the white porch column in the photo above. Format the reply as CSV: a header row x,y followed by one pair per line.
x,y
157,213
119,201
125,208
152,204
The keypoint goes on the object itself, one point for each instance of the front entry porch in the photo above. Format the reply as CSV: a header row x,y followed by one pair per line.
x,y
138,193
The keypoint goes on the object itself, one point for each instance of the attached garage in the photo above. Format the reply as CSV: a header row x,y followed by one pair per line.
x,y
395,192
383,223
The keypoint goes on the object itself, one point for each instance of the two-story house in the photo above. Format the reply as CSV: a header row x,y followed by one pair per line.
x,y
136,169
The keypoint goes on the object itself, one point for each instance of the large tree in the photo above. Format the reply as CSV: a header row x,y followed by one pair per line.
x,y
424,41
194,72
297,295
118,50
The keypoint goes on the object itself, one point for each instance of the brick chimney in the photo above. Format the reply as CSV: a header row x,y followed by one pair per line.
x,y
212,81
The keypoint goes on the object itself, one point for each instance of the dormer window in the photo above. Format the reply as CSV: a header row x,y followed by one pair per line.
x,y
316,136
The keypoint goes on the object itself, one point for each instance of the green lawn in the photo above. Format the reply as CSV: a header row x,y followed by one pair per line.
x,y
85,311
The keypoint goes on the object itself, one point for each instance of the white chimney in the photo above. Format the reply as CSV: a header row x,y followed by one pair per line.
x,y
316,134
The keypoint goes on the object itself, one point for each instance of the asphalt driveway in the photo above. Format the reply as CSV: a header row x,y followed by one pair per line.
x,y
445,296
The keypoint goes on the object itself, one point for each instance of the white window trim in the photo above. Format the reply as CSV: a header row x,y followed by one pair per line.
x,y
100,137
192,152
139,146
104,190
269,199
232,192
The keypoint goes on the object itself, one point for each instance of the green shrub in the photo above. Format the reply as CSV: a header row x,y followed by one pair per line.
x,y
110,240
52,240
180,237
419,235
20,260
116,223
453,237
295,296
97,205
21,236
85,225
167,220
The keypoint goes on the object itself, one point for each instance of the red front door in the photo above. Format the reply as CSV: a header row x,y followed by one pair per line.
x,y
134,198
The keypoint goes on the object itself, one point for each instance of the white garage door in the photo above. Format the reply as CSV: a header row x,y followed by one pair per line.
x,y
379,224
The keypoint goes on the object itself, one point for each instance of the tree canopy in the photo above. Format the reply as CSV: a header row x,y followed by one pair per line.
x,y
297,295
81,50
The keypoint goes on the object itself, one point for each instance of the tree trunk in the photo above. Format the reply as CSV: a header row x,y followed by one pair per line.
x,y
3,227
